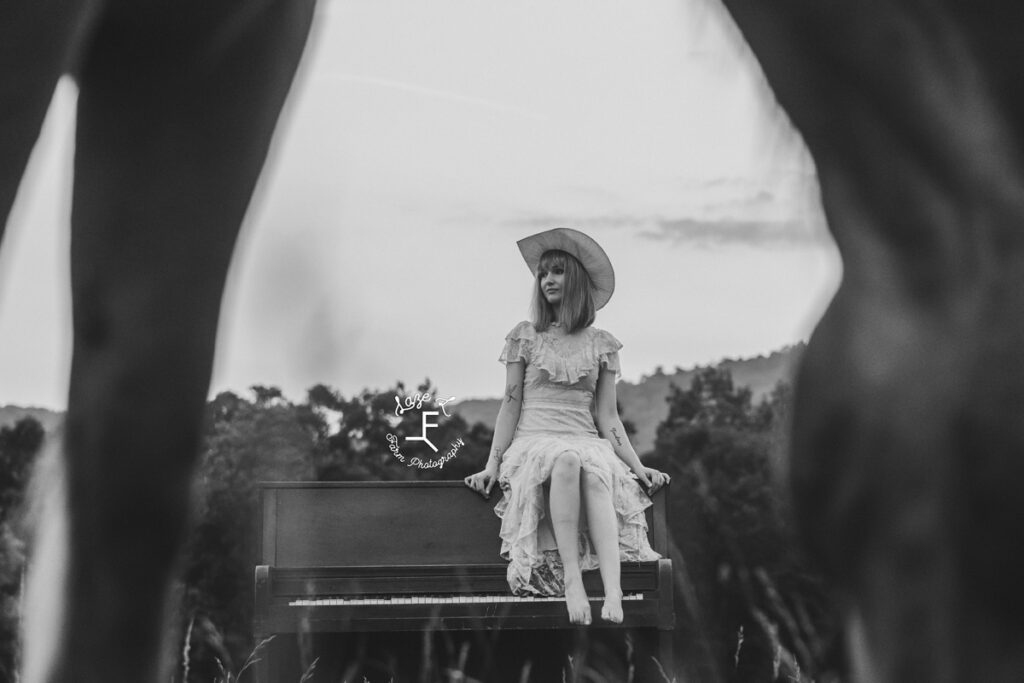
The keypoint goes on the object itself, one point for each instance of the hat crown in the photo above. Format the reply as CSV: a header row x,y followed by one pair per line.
x,y
581,246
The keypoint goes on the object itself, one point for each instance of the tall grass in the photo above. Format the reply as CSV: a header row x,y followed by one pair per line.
x,y
226,675
574,671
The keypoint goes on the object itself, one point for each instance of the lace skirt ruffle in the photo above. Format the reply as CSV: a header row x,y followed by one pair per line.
x,y
526,466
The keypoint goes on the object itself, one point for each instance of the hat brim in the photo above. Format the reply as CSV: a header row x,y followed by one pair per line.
x,y
586,250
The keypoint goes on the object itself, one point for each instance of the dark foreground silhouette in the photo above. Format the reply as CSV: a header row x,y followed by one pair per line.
x,y
907,437
177,104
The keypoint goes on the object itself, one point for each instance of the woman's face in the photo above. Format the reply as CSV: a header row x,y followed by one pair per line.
x,y
551,283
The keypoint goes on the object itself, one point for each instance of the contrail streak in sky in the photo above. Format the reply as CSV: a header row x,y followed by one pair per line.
x,y
441,94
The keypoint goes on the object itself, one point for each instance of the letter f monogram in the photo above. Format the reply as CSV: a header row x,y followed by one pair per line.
x,y
425,425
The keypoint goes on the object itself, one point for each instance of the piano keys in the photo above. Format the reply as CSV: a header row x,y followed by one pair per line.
x,y
438,600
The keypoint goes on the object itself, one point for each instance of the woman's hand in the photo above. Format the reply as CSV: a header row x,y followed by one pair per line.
x,y
482,481
652,479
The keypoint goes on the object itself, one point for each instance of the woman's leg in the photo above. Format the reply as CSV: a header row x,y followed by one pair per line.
x,y
604,534
564,502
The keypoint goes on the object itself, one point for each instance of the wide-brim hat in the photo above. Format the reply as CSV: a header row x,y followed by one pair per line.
x,y
583,247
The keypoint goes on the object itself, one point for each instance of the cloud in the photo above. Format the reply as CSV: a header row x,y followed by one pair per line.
x,y
578,222
701,231
714,211
725,231
760,199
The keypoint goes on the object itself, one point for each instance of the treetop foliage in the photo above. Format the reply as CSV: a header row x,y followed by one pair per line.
x,y
730,521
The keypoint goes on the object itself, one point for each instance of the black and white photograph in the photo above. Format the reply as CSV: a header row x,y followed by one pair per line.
x,y
469,342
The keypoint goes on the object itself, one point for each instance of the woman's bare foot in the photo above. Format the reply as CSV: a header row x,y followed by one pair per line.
x,y
612,609
577,602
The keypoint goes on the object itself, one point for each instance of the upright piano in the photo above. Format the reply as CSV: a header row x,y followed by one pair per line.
x,y
361,557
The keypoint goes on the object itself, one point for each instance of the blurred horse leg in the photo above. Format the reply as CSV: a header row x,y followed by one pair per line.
x,y
177,105
39,40
908,437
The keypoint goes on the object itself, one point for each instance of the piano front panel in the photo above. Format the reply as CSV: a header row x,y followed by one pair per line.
x,y
316,524
311,521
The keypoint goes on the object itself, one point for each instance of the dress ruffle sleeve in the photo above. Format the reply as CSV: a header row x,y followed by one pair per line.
x,y
567,365
606,348
518,343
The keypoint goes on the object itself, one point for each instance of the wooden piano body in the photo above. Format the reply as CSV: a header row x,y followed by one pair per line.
x,y
359,557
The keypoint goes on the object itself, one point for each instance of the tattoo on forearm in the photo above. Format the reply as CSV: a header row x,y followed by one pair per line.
x,y
615,433
510,393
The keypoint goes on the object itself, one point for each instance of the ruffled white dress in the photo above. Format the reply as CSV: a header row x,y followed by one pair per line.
x,y
558,389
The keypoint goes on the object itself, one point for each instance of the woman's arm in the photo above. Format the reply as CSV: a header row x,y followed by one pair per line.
x,y
508,414
504,428
609,425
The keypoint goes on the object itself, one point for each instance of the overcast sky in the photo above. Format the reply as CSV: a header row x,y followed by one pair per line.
x,y
423,140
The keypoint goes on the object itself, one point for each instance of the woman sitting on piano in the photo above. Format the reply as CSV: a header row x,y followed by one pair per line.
x,y
550,453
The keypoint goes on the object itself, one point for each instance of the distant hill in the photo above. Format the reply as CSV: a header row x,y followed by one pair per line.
x,y
644,403
50,419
